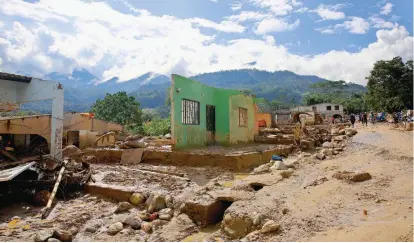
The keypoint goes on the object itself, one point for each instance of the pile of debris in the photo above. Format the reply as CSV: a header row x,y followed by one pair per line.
x,y
139,141
40,180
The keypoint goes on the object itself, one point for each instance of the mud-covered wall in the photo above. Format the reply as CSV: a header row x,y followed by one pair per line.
x,y
196,135
265,116
242,134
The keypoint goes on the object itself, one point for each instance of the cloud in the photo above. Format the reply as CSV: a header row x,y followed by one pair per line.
x,y
380,23
330,11
236,6
387,8
224,26
270,25
277,7
356,25
327,30
247,16
216,1
46,36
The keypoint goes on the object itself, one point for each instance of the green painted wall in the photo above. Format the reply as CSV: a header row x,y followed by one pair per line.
x,y
196,135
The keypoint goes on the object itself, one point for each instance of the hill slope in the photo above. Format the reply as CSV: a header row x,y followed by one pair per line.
x,y
82,89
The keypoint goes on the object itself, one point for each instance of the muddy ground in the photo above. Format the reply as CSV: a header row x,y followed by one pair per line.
x,y
309,205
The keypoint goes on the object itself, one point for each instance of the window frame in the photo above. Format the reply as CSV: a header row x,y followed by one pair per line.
x,y
337,106
328,107
189,107
244,110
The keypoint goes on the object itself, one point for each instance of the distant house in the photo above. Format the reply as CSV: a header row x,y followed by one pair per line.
x,y
202,115
281,117
326,109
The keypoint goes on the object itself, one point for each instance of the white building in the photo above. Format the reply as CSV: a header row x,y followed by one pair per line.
x,y
327,109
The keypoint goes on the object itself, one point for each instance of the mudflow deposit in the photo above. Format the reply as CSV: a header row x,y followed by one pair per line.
x,y
358,187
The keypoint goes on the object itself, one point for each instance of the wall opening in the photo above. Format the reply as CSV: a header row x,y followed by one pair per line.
x,y
256,186
220,207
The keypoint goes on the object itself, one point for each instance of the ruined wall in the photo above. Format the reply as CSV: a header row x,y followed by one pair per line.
x,y
77,121
241,134
196,135
39,125
265,116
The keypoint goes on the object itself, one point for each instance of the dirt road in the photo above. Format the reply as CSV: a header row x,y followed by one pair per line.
x,y
333,211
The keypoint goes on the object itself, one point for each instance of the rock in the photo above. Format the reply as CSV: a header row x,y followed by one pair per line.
x,y
338,149
306,144
134,222
349,134
236,226
279,165
74,230
257,220
285,211
43,235
136,198
327,145
165,217
320,156
352,176
70,150
341,132
167,136
270,226
91,229
335,152
123,207
261,169
251,237
147,227
156,224
167,211
144,216
338,139
136,144
286,173
53,240
155,203
91,159
327,152
292,164
169,201
352,131
62,235
113,229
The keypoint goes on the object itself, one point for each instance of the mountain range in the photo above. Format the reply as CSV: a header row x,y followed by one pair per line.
x,y
82,88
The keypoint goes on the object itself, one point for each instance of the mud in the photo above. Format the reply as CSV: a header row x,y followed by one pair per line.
x,y
223,205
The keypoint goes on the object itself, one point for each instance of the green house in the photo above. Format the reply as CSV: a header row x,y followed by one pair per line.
x,y
202,115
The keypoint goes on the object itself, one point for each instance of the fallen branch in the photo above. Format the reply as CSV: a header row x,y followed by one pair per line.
x,y
46,210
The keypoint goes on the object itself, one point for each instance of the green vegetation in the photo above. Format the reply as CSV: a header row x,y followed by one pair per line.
x,y
118,108
390,85
157,127
340,92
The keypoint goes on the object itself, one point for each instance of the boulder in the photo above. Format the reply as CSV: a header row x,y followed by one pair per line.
x,y
270,226
286,173
147,227
91,228
352,176
155,203
291,163
113,229
144,216
279,165
327,152
123,207
44,235
351,131
136,198
307,144
236,226
62,235
327,145
167,136
136,144
261,169
70,150
341,132
320,156
134,222
338,138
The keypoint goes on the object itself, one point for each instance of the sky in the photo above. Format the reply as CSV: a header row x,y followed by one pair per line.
x,y
336,40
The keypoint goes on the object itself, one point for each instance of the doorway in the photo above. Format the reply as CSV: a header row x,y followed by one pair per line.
x,y
211,124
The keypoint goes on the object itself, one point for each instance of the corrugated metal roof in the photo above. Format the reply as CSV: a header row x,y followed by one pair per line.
x,y
15,77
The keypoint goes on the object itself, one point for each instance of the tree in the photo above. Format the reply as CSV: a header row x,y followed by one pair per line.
x,y
118,108
390,85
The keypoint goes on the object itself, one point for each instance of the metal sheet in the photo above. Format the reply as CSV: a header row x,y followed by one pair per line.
x,y
9,174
